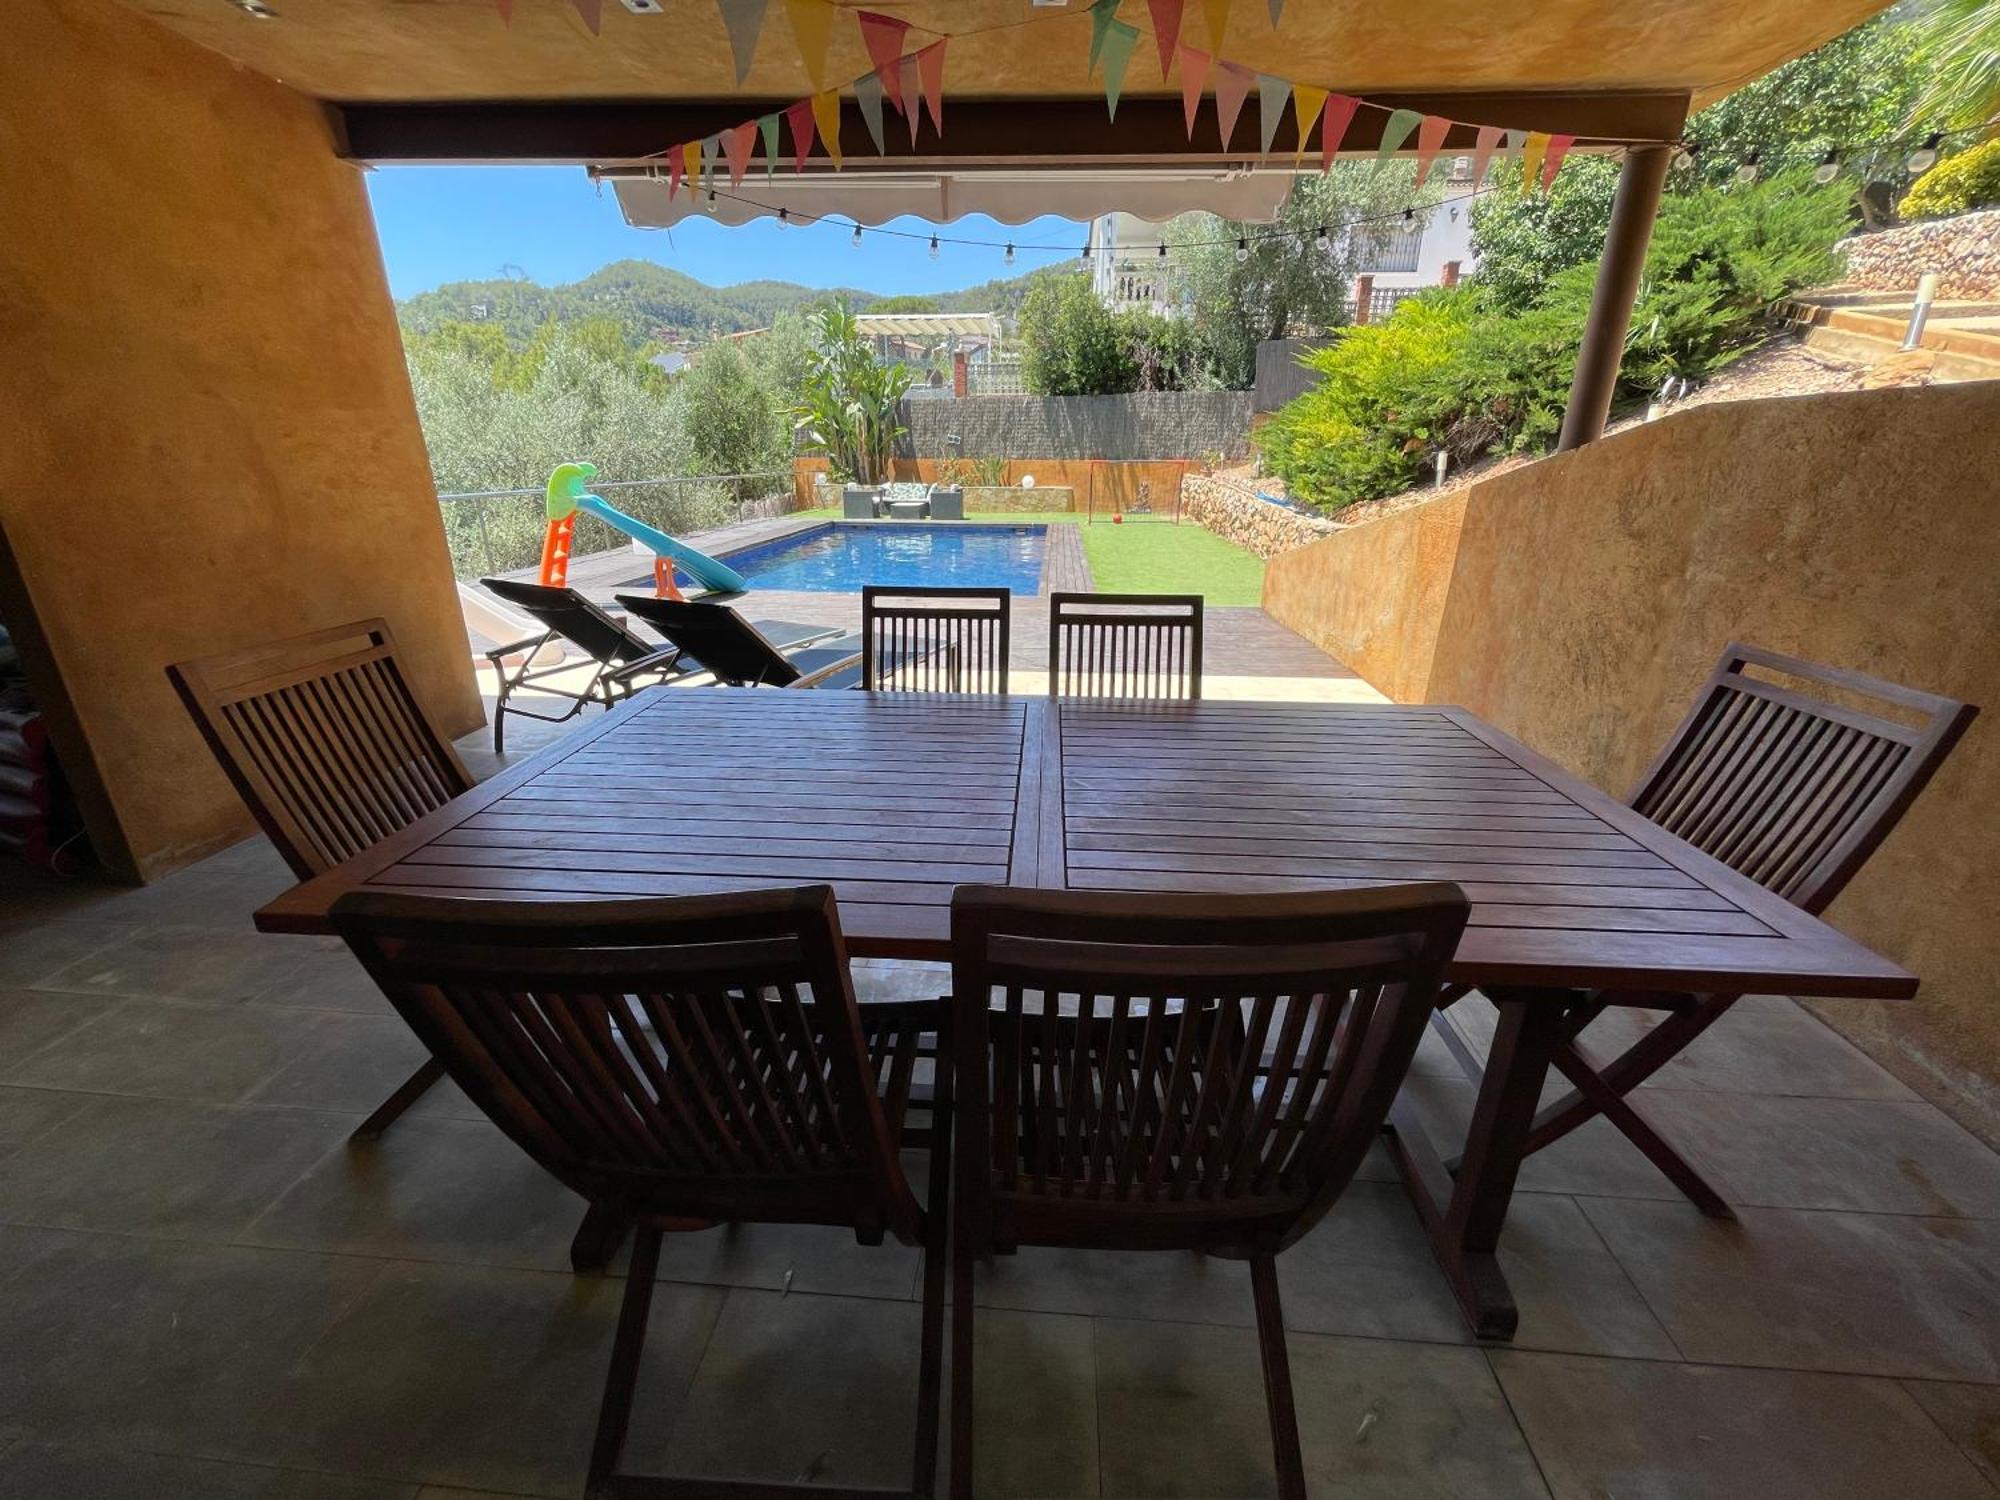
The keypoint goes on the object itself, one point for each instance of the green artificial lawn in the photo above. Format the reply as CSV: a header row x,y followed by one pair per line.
x,y
1152,557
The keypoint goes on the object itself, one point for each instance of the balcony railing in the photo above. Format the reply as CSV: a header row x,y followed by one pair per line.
x,y
498,531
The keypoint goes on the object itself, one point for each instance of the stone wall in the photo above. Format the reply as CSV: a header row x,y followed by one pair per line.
x,y
1143,426
1578,602
1236,515
1964,252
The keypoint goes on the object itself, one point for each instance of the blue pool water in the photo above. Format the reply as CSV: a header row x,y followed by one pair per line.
x,y
839,559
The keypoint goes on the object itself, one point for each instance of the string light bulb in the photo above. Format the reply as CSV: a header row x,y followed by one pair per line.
x,y
1084,253
709,202
855,238
1684,158
1925,156
1242,251
1009,256
1747,173
1410,224
1828,168
1323,240
784,216
1163,249
934,247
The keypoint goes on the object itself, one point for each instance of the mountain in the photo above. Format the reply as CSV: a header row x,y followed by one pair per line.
x,y
654,302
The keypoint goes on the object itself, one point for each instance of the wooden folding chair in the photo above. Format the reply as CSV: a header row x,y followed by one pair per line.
x,y
331,751
935,640
1793,789
680,1062
1176,1072
1125,646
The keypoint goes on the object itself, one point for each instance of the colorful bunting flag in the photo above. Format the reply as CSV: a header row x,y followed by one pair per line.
x,y
1194,77
1232,86
800,117
506,9
883,37
1430,138
711,156
913,93
1334,120
1396,130
1103,16
744,20
1531,159
826,115
592,12
930,72
737,145
1277,8
769,126
1218,21
1271,96
812,27
1116,56
1166,30
1551,164
868,94
691,166
1482,151
1307,102
676,164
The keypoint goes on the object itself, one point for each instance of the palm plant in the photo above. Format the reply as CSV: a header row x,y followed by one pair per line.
x,y
851,399
1959,42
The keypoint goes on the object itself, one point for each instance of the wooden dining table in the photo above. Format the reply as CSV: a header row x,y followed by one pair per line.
x,y
897,798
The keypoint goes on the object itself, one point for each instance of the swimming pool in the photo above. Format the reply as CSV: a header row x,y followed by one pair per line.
x,y
839,559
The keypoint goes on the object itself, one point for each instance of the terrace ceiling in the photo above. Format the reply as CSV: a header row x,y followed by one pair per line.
x,y
1607,71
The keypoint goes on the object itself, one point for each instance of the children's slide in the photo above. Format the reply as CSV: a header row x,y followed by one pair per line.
x,y
567,496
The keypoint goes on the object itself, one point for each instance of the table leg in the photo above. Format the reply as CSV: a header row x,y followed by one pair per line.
x,y
1464,1211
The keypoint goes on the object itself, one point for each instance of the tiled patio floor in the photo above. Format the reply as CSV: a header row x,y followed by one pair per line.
x,y
205,1291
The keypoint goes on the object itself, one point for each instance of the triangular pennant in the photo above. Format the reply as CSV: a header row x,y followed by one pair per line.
x,y
744,20
1552,163
1482,151
1531,159
1119,43
1396,130
1232,87
883,37
769,126
1166,30
868,94
1307,102
1337,116
1277,8
691,166
1103,16
1194,77
1430,139
506,9
736,145
1271,96
1218,21
812,26
800,117
711,157
930,71
913,93
826,115
592,12
676,166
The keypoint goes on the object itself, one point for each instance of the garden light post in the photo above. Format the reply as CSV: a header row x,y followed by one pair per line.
x,y
1603,345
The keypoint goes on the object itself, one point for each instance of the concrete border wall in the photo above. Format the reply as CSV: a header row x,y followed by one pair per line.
x,y
1578,602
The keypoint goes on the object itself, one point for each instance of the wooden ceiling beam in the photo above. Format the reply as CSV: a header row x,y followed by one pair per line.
x,y
1149,130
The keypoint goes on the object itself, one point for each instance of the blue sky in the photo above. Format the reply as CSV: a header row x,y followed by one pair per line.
x,y
443,224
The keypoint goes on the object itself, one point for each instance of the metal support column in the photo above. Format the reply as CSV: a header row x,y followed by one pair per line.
x,y
1603,346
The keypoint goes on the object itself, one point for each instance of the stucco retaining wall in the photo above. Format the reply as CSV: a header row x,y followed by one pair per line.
x,y
1577,603
1963,251
1237,515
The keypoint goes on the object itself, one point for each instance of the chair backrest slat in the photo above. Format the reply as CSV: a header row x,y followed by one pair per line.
x,y
576,619
935,640
323,739
1131,1068
1795,786
728,645
1131,646
692,1057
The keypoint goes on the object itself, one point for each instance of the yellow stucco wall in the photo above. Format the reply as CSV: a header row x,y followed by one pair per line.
x,y
1587,596
209,437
